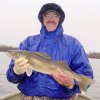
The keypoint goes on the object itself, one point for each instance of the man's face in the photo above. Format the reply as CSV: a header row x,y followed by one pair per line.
x,y
51,21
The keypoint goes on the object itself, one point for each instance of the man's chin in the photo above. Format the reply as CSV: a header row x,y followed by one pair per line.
x,y
51,30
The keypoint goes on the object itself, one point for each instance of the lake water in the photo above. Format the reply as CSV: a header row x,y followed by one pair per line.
x,y
7,87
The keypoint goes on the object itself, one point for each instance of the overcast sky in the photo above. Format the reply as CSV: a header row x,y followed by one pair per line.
x,y
18,19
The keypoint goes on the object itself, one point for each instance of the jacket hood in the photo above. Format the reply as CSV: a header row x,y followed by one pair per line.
x,y
54,7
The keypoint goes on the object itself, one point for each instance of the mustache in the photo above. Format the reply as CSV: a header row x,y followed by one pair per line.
x,y
51,22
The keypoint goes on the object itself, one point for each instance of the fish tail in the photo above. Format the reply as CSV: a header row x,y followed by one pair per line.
x,y
84,83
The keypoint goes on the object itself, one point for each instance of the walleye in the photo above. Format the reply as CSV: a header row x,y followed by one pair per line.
x,y
43,63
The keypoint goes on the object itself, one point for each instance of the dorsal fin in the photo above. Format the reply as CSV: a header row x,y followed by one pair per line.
x,y
63,64
44,55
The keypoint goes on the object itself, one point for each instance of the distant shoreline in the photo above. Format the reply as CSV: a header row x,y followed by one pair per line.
x,y
4,48
94,55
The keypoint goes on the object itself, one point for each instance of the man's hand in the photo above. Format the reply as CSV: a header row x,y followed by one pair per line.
x,y
21,65
63,79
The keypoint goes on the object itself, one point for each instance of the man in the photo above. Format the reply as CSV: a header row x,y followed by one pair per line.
x,y
52,41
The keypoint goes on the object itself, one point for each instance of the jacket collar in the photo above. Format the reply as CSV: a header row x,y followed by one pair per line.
x,y
54,34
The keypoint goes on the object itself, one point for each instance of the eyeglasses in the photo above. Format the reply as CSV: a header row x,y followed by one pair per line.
x,y
52,16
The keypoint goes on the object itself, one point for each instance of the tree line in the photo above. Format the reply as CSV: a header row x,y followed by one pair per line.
x,y
4,48
94,55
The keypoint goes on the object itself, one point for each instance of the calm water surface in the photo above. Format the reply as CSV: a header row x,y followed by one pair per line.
x,y
7,87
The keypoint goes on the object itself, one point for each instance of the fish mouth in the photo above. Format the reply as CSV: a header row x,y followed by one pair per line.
x,y
10,54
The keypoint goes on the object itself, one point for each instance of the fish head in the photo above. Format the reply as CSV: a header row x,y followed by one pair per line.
x,y
15,54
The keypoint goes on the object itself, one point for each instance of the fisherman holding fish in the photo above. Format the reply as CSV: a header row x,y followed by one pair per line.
x,y
33,69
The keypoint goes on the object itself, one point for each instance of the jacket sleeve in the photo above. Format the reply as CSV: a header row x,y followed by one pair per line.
x,y
11,76
80,64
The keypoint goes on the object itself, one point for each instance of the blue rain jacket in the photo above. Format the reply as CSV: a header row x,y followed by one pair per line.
x,y
59,47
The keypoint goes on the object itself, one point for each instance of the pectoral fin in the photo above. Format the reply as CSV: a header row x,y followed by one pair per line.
x,y
29,71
